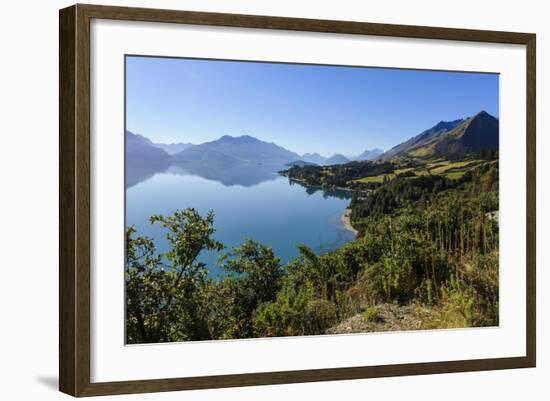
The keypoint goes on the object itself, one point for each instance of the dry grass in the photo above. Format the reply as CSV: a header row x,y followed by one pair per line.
x,y
390,317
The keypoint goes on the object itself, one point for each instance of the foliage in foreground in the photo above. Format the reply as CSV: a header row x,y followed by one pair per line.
x,y
426,241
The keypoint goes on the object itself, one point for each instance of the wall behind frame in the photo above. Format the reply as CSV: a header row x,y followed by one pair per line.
x,y
28,205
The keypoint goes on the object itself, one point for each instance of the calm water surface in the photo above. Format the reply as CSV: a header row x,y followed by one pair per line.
x,y
250,201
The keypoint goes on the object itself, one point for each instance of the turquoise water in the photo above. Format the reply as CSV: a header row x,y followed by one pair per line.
x,y
249,201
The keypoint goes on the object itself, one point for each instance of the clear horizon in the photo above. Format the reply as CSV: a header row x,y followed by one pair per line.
x,y
352,109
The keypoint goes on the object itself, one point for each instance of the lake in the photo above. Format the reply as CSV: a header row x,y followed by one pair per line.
x,y
249,201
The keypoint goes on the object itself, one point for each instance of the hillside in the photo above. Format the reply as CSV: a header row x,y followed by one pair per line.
x,y
422,139
451,139
391,317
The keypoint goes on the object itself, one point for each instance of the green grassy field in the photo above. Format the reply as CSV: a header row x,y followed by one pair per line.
x,y
446,168
376,178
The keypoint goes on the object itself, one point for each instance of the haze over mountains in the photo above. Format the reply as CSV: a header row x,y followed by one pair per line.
x,y
228,149
371,154
315,158
173,148
338,158
445,139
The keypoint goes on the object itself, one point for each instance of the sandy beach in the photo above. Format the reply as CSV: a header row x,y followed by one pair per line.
x,y
345,219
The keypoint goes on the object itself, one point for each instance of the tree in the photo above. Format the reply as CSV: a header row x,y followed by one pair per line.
x,y
255,278
322,272
166,301
143,282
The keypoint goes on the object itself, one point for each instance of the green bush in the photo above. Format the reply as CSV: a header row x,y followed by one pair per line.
x,y
372,315
286,315
472,299
319,316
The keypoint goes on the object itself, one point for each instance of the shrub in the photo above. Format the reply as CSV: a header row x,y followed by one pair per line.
x,y
284,316
472,299
372,315
319,316
349,302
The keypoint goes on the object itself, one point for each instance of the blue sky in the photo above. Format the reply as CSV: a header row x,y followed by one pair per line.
x,y
305,108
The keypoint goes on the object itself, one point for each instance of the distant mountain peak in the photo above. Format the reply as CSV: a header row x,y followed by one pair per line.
x,y
229,138
478,132
244,148
237,138
314,158
337,158
369,154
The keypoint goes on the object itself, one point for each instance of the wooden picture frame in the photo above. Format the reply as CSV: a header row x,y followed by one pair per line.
x,y
74,199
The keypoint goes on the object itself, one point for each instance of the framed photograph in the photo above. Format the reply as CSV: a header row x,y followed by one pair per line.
x,y
249,200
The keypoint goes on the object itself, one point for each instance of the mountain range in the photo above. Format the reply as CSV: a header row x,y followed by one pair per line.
x,y
338,158
239,149
229,150
445,139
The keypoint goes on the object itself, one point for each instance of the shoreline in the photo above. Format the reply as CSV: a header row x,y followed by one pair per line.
x,y
316,186
346,221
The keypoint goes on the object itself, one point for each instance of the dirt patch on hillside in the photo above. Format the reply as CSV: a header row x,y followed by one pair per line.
x,y
389,317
